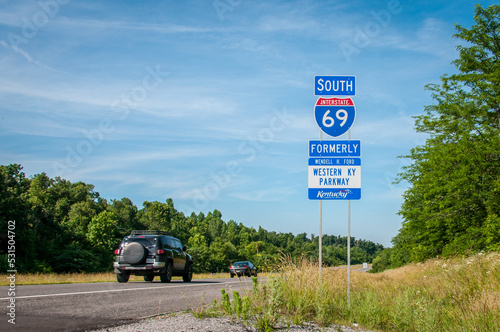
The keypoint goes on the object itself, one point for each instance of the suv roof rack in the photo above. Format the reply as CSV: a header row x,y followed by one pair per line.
x,y
148,232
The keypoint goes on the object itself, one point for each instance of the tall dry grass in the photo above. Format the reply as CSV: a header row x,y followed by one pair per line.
x,y
68,278
460,294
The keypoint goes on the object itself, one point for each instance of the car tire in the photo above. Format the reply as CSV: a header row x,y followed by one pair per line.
x,y
249,273
188,275
232,275
122,277
149,278
167,275
134,253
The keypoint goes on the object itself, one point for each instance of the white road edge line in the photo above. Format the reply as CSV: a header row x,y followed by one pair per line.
x,y
111,290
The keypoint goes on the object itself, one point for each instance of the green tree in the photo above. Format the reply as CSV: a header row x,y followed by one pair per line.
x,y
382,261
42,199
232,232
75,258
218,256
126,213
253,249
79,217
13,188
101,231
15,210
216,226
335,255
157,215
199,249
451,206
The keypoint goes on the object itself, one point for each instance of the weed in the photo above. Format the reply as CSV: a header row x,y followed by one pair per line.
x,y
237,304
246,308
226,303
206,312
255,283
265,322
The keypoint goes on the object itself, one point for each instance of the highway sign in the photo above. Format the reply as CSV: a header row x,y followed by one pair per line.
x,y
334,178
334,85
334,115
335,148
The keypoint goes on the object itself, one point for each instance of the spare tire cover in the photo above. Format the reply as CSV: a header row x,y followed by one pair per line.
x,y
134,253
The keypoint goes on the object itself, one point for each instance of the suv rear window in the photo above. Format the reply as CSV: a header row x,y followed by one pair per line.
x,y
146,241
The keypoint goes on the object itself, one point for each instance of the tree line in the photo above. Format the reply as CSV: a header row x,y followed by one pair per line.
x,y
68,227
453,204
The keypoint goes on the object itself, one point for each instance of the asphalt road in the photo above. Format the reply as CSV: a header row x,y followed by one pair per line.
x,y
79,307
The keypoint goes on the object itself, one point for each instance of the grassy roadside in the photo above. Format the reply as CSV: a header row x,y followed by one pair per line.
x,y
460,294
69,278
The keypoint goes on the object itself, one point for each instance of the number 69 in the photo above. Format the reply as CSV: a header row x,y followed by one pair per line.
x,y
328,121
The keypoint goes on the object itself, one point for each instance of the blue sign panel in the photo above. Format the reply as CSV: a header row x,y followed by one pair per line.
x,y
335,161
334,85
335,148
335,194
334,115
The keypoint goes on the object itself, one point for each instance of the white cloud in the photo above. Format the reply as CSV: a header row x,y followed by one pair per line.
x,y
288,23
434,37
18,50
129,25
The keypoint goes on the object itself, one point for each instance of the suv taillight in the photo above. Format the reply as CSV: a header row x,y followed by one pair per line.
x,y
160,251
117,251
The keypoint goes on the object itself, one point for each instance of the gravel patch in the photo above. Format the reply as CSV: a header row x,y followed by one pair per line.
x,y
186,322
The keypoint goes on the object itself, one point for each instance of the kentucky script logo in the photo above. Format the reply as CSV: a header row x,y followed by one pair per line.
x,y
331,194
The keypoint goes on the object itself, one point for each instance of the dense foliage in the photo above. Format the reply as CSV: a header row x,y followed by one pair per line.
x,y
67,227
453,203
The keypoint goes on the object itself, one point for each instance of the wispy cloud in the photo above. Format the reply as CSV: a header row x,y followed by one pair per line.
x,y
288,23
26,56
433,37
133,26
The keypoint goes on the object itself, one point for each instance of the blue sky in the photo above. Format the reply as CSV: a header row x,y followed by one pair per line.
x,y
211,103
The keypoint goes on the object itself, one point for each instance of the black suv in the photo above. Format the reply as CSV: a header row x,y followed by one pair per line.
x,y
150,254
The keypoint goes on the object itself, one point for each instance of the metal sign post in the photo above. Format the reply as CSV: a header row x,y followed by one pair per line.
x,y
349,243
320,240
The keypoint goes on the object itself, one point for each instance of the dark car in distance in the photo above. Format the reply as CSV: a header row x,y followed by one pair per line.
x,y
242,268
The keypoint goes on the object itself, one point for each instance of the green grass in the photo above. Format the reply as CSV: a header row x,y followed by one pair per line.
x,y
460,294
